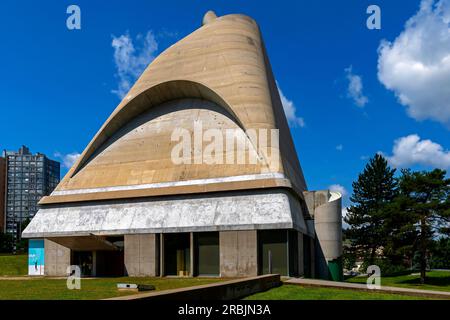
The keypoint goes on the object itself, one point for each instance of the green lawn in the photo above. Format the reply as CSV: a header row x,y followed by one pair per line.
x,y
56,289
13,265
436,280
294,292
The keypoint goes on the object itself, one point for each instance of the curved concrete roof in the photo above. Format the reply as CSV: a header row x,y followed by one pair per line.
x,y
225,63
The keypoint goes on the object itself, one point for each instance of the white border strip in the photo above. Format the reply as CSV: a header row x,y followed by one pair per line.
x,y
173,184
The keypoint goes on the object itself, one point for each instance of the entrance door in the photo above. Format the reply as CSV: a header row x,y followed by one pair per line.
x,y
110,263
177,255
84,260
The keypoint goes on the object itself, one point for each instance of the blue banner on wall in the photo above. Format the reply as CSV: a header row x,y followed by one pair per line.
x,y
36,257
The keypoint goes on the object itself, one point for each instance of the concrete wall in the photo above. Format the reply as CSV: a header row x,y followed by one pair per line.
x,y
227,290
325,207
57,259
141,255
238,253
328,225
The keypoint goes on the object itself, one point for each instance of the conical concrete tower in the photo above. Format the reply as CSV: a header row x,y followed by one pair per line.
x,y
161,171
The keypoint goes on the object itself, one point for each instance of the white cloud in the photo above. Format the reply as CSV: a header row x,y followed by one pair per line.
x,y
416,66
131,61
411,150
355,88
344,212
290,110
339,147
338,188
68,160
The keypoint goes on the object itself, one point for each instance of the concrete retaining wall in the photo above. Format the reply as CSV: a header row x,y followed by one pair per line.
x,y
228,290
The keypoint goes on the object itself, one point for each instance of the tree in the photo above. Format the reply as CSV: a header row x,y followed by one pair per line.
x,y
424,201
6,243
375,188
440,254
22,244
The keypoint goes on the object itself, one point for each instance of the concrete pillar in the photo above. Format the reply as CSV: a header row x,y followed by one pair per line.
x,y
57,259
192,256
94,263
141,252
238,253
313,257
301,261
161,255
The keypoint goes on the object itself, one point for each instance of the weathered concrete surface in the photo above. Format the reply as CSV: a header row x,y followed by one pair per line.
x,y
238,253
57,259
265,209
141,255
363,287
227,290
328,225
224,62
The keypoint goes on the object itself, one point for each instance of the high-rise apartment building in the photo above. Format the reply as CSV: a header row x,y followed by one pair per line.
x,y
29,177
2,193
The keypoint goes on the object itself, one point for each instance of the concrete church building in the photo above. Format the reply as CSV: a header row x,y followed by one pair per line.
x,y
126,208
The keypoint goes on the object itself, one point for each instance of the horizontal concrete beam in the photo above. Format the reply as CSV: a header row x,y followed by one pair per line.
x,y
262,209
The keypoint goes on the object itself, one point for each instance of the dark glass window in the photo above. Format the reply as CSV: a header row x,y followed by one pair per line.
x,y
273,251
207,254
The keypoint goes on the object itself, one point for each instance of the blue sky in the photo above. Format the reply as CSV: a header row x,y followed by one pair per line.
x,y
57,85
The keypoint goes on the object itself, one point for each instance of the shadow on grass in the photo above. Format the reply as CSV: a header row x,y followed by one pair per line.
x,y
434,281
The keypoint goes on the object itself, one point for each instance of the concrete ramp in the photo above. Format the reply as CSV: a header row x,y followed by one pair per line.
x,y
227,290
362,287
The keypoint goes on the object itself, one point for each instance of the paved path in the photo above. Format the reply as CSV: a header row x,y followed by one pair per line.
x,y
363,287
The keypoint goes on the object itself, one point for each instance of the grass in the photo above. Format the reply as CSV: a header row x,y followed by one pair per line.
x,y
436,280
13,265
30,288
91,289
295,292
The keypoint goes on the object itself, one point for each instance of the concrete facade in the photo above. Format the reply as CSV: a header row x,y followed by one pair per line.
x,y
238,253
142,255
57,259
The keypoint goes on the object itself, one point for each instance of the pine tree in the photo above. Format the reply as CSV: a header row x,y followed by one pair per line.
x,y
375,188
424,201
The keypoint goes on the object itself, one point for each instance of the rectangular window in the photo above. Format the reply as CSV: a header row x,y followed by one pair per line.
x,y
273,251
